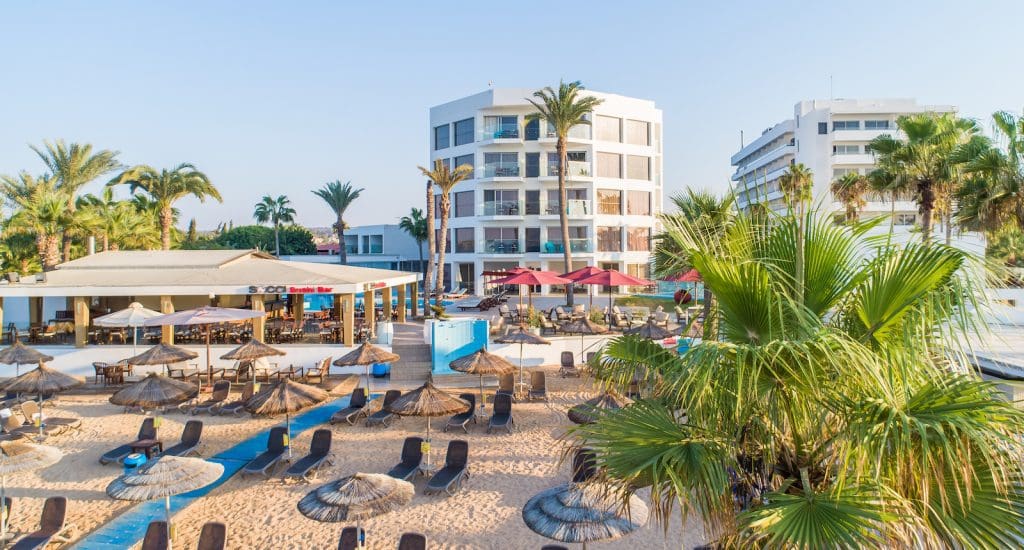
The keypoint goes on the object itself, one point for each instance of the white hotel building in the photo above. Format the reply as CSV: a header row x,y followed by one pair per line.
x,y
507,215
831,137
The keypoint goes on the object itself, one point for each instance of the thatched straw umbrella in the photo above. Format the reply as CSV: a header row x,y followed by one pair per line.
x,y
164,477
366,354
40,380
582,513
21,456
583,327
19,354
587,412
162,354
155,390
650,330
252,350
287,396
522,337
483,363
355,498
427,400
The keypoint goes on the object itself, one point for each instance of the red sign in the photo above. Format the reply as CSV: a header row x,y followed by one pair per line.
x,y
310,290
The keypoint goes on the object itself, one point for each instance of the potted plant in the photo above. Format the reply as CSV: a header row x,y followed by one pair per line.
x,y
534,320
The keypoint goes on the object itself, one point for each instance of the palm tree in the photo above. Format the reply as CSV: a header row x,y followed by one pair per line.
x,y
416,226
562,110
42,211
339,196
851,419
276,211
18,253
923,163
849,189
445,179
166,187
797,185
73,166
993,194
428,284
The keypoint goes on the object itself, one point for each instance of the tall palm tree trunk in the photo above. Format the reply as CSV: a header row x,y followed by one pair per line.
x,y
66,249
277,239
419,243
563,215
106,242
428,282
445,209
166,221
51,252
339,226
926,194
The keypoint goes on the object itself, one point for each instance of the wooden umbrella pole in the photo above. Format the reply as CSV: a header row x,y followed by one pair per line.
x,y
483,399
288,431
209,364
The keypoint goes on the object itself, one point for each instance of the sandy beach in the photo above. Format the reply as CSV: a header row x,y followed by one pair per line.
x,y
506,471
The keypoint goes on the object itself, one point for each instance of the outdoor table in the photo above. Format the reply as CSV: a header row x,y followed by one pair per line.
x,y
147,446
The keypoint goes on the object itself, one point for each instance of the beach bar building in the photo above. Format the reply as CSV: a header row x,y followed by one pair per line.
x,y
173,280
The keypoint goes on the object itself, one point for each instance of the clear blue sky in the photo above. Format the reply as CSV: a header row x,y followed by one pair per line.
x,y
279,97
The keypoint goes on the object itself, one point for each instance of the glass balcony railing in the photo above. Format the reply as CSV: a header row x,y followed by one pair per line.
x,y
575,207
501,170
500,208
501,246
575,245
576,168
500,132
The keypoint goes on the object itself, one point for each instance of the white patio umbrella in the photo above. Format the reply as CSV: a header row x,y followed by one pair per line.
x,y
134,316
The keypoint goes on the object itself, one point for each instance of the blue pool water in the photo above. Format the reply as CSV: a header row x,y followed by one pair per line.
x,y
326,301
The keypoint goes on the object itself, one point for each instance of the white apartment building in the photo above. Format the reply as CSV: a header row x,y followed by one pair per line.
x,y
832,137
507,215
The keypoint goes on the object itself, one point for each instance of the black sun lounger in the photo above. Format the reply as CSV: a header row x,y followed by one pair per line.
x,y
146,431
266,460
356,408
412,541
384,416
456,469
412,457
189,440
502,415
349,539
319,449
51,526
221,390
460,420
156,536
214,536
238,407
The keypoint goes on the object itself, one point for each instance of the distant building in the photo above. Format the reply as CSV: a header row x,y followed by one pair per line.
x,y
832,137
384,246
507,213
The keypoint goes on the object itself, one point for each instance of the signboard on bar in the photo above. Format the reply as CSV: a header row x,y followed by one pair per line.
x,y
373,286
284,289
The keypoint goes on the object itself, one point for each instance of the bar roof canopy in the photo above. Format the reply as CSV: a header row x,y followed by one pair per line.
x,y
197,273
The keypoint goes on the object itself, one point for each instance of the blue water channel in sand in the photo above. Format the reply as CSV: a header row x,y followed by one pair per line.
x,y
129,528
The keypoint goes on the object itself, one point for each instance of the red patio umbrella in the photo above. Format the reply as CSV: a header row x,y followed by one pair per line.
x,y
612,278
583,273
531,278
691,276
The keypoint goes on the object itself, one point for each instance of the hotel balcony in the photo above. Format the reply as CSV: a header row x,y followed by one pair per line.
x,y
577,134
501,246
499,171
575,170
575,208
500,209
575,245
498,134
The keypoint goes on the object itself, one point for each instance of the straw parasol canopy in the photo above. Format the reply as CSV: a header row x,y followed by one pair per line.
x,y
651,331
154,391
588,411
21,456
19,354
163,477
583,326
366,354
40,380
427,400
482,363
522,337
162,354
582,513
356,497
287,396
205,316
251,350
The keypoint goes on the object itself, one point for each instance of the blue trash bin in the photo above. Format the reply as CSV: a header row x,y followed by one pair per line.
x,y
684,345
380,370
133,461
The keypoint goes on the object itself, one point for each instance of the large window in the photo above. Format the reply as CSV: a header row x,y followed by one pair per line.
x,y
532,239
501,240
609,165
608,128
447,242
876,124
464,159
441,137
609,239
638,203
532,130
373,244
532,203
609,201
638,132
464,132
501,127
533,165
501,165
638,239
462,204
464,240
467,277
845,125
501,202
352,244
845,149
638,167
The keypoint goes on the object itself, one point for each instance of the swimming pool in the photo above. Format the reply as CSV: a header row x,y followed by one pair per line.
x,y
326,301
